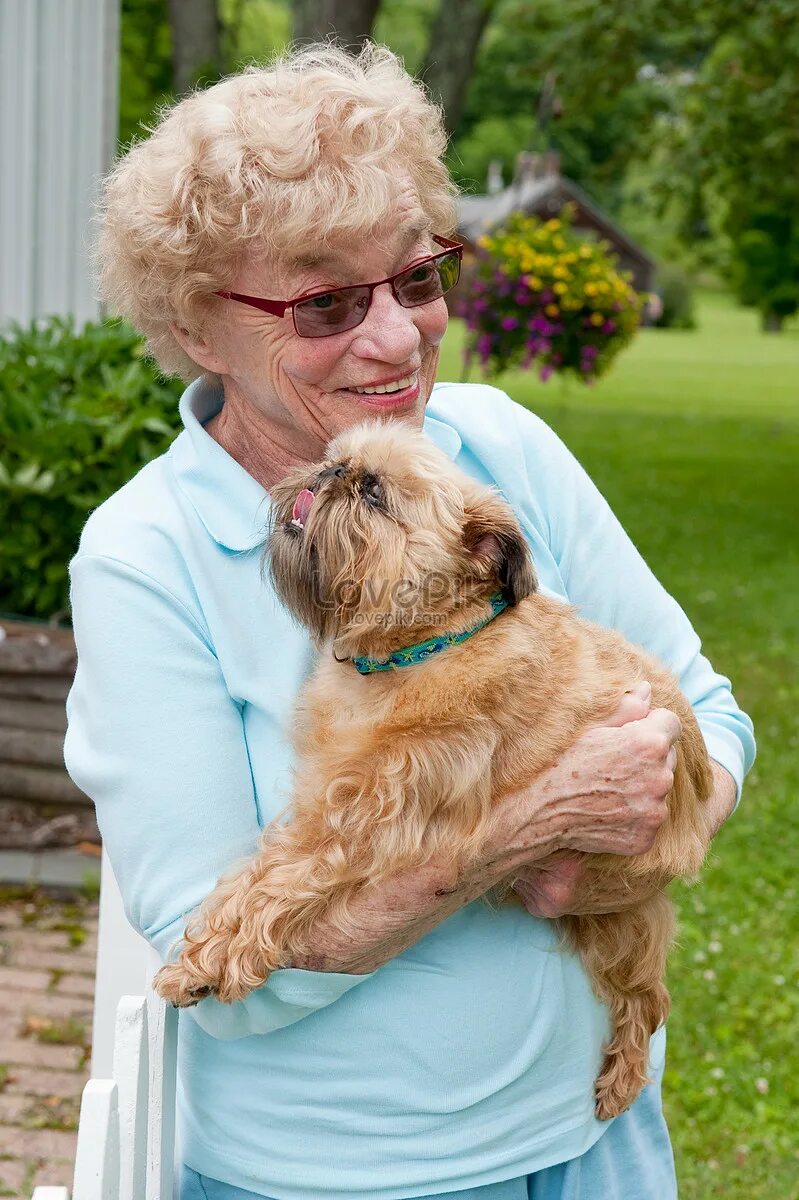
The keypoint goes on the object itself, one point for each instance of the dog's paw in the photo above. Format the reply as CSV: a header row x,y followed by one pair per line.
x,y
180,987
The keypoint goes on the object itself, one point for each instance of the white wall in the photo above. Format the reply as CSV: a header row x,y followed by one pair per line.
x,y
59,65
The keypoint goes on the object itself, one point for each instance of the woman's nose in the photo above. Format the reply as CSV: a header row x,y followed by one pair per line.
x,y
390,329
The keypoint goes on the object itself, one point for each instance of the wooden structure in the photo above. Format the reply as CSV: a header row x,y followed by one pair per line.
x,y
538,189
39,803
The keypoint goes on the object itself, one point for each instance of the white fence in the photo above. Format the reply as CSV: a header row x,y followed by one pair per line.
x,y
126,1133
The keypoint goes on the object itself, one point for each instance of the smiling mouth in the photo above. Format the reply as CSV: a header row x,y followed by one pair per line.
x,y
387,389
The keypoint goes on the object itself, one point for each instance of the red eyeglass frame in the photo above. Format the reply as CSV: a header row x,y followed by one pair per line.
x,y
277,308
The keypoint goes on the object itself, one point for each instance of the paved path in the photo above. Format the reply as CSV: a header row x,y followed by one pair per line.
x,y
47,956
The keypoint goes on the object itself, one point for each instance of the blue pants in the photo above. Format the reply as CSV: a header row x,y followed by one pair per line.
x,y
632,1161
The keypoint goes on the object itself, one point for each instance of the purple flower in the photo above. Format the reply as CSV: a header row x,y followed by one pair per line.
x,y
545,373
609,327
589,351
484,344
616,306
480,305
559,327
471,324
557,359
509,323
522,296
586,366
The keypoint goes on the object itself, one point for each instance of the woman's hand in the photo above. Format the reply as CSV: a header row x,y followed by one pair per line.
x,y
605,795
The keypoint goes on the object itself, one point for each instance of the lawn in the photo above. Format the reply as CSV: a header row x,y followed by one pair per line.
x,y
694,439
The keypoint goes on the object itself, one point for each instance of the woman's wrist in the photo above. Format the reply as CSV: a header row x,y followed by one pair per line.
x,y
526,826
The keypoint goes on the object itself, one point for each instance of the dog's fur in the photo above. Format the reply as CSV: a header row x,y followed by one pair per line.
x,y
401,767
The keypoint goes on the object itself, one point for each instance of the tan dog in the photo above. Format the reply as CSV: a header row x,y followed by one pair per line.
x,y
384,545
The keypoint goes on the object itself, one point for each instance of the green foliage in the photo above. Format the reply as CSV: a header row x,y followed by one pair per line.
x,y
145,65
80,412
767,265
676,292
542,294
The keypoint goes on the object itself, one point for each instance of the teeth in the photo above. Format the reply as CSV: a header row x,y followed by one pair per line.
x,y
388,387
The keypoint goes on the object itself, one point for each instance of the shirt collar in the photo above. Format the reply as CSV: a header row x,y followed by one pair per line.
x,y
232,505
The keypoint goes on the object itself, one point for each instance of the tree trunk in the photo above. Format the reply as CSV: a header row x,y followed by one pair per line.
x,y
349,21
449,62
195,40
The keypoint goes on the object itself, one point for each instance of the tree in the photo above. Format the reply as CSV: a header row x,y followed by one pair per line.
x,y
449,63
349,21
196,30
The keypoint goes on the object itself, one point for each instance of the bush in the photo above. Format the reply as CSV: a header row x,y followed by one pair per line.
x,y
541,294
676,293
80,412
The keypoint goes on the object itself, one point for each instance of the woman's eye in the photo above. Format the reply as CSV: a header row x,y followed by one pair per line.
x,y
325,301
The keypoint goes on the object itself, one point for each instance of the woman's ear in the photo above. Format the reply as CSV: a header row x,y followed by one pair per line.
x,y
493,538
199,350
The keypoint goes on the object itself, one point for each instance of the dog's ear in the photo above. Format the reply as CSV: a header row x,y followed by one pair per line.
x,y
496,544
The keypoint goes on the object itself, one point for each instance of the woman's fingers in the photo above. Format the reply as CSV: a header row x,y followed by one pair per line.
x,y
553,890
633,706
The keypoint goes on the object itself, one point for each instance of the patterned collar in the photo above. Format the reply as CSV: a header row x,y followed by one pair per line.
x,y
409,655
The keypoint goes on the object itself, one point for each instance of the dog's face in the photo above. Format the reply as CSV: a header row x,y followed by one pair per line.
x,y
387,532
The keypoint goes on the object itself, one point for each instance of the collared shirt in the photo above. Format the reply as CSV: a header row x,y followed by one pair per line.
x,y
470,1057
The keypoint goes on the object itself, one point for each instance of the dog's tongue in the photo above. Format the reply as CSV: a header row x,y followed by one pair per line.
x,y
302,506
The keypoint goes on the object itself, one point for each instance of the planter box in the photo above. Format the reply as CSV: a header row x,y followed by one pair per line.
x,y
39,803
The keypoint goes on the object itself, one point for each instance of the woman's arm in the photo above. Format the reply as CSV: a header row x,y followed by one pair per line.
x,y
562,809
155,739
608,581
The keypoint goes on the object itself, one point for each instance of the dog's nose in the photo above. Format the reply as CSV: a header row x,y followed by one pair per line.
x,y
339,471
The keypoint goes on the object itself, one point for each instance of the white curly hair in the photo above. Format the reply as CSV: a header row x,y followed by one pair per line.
x,y
310,146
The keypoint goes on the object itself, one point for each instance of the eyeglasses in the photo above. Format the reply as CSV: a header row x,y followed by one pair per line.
x,y
321,314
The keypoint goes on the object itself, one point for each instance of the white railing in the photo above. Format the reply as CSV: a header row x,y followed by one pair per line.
x,y
126,1131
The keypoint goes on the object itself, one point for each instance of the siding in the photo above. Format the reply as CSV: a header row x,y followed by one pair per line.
x,y
59,64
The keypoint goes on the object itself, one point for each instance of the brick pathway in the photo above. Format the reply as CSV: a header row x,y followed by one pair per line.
x,y
47,955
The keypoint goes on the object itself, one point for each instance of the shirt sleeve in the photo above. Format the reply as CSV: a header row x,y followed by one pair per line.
x,y
157,742
608,581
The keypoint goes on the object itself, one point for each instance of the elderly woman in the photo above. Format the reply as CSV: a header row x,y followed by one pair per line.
x,y
281,241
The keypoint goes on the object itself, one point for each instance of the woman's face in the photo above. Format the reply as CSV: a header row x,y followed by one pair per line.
x,y
308,384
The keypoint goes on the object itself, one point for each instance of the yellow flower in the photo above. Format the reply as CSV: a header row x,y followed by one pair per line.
x,y
585,252
484,242
597,319
560,288
559,243
590,289
552,310
553,224
534,282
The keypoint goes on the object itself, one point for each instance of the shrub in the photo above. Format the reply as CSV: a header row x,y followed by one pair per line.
x,y
80,412
676,293
542,295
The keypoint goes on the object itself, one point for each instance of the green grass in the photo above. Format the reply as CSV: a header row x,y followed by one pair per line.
x,y
694,439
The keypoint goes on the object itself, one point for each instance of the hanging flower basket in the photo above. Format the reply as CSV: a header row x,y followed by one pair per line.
x,y
544,297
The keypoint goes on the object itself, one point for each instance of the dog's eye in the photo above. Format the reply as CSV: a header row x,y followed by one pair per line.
x,y
371,490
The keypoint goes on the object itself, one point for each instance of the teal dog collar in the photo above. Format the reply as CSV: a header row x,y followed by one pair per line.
x,y
424,650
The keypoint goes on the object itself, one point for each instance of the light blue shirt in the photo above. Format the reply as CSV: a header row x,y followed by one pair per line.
x,y
470,1057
